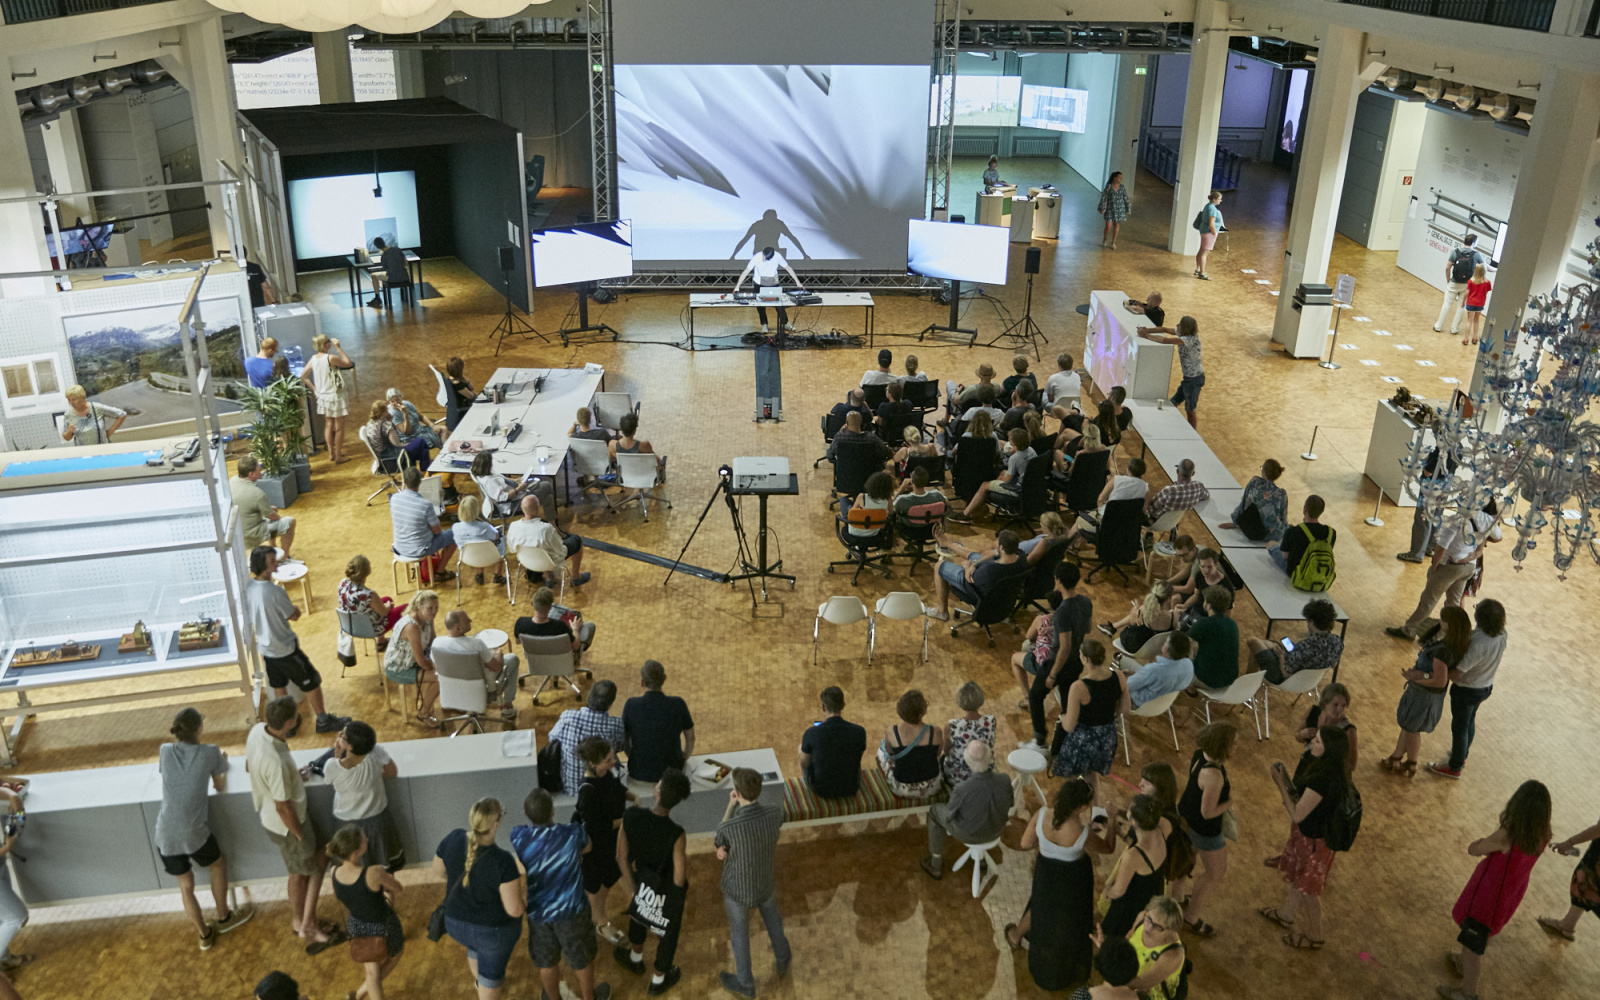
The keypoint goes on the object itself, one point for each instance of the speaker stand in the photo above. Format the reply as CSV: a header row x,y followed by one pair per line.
x,y
954,326
583,326
511,324
1024,332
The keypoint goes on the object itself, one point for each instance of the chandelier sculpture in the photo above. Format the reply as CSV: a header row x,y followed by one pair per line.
x,y
386,16
1542,466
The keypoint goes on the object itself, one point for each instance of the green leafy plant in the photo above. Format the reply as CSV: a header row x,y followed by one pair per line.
x,y
278,434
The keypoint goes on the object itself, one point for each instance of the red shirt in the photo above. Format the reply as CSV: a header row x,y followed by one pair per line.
x,y
1478,292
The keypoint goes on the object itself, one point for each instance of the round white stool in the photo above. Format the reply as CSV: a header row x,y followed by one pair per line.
x,y
979,855
1026,763
283,576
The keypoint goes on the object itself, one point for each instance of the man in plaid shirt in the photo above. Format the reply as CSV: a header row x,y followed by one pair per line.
x,y
1183,494
578,724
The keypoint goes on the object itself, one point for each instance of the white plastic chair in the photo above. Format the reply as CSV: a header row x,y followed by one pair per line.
x,y
531,557
461,690
1151,709
1144,654
838,611
980,857
481,555
611,407
592,459
550,656
1163,525
900,606
1299,683
640,473
358,626
1241,692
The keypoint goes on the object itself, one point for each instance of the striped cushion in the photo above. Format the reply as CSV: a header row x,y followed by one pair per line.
x,y
800,803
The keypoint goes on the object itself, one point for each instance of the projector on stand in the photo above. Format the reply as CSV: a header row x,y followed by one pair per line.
x,y
760,473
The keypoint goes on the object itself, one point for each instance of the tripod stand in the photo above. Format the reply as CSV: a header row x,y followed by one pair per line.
x,y
511,324
1024,332
752,565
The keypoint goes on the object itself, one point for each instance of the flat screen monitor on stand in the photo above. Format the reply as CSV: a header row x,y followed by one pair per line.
x,y
582,256
957,252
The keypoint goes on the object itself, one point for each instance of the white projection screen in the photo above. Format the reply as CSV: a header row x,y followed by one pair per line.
x,y
575,254
1059,109
800,137
959,252
332,216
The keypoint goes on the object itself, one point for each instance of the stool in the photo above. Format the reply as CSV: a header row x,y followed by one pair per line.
x,y
405,292
414,570
1160,550
283,576
978,854
1027,763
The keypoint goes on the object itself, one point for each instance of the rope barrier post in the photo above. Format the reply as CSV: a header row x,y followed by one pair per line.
x,y
1376,521
1310,454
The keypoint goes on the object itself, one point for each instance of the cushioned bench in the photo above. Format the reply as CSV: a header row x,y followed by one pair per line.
x,y
802,806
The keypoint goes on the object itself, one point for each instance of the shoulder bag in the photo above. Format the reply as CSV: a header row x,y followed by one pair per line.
x,y
1474,934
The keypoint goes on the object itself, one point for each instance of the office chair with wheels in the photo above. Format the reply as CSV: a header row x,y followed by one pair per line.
x,y
976,462
1117,542
915,527
993,608
854,462
832,423
1032,500
881,539
1079,487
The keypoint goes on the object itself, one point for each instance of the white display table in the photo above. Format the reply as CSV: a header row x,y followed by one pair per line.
x,y
1393,434
994,209
1046,213
1021,219
1115,354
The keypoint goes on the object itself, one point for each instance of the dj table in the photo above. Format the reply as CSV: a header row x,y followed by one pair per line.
x,y
830,300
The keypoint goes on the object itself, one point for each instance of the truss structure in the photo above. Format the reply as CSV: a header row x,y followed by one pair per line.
x,y
602,110
946,46
831,280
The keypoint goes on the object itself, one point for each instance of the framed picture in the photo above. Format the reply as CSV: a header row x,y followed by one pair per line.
x,y
31,384
132,359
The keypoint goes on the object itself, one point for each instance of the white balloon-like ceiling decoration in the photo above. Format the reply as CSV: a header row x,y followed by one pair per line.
x,y
395,17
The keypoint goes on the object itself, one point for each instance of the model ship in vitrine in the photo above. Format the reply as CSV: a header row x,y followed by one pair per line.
x,y
68,652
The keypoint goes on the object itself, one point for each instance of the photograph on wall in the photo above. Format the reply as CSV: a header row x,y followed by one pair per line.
x,y
132,359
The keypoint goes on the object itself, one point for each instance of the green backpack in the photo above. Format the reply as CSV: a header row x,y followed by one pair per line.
x,y
1315,571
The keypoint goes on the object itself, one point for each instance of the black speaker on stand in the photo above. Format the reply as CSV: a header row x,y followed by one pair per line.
x,y
511,324
1025,333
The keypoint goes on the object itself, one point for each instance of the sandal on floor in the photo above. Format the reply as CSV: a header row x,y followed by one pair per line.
x,y
336,937
1406,770
1272,914
1554,927
1389,763
1015,945
1199,927
1302,942
1272,862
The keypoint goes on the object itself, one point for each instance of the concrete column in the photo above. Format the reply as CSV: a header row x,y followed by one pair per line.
x,y
1202,113
22,246
202,68
1324,152
1124,148
1544,209
69,166
336,82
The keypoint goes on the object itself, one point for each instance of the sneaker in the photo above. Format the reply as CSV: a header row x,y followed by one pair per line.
x,y
209,938
624,958
667,982
239,916
375,302
928,866
1437,330
329,723
1108,629
1408,557
611,933
935,613
1034,745
763,328
1399,632
730,982
1444,770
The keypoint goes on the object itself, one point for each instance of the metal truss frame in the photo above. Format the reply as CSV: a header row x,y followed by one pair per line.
x,y
947,45
602,110
830,280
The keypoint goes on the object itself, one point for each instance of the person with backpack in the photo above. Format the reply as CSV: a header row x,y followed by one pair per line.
x,y
1312,805
1209,224
1306,550
1458,268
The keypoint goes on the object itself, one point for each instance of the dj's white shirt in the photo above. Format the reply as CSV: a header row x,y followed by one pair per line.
x,y
766,271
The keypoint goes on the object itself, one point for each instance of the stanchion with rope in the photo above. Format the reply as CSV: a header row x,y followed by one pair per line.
x,y
1376,521
1310,454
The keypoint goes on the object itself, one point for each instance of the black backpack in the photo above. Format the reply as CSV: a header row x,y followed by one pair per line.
x,y
1462,263
550,767
1345,822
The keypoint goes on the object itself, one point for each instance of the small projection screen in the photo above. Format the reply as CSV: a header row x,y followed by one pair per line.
x,y
574,254
958,252
331,216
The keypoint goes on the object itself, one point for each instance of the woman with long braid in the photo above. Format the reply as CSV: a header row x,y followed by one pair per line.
x,y
485,895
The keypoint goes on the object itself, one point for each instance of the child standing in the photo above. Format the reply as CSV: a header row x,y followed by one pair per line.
x,y
1477,297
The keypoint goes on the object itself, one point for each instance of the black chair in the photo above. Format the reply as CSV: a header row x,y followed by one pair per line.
x,y
861,546
1117,542
976,462
994,607
1042,579
894,426
832,423
853,462
405,288
923,396
933,463
915,528
875,394
1080,488
1034,497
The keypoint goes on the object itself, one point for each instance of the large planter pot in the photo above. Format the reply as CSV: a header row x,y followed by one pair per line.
x,y
281,490
301,466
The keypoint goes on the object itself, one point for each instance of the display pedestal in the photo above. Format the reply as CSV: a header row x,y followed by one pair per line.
x,y
1021,219
1115,354
1393,435
1046,213
994,209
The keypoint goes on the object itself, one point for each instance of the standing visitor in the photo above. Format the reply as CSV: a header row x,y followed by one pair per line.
x,y
747,845
659,727
654,852
602,798
1059,917
1085,742
1163,966
1478,287
1187,341
1114,207
1205,802
1585,889
1137,880
1458,270
1311,802
486,895
558,914
368,893
1472,682
1455,562
360,798
1422,703
325,376
271,611
1209,224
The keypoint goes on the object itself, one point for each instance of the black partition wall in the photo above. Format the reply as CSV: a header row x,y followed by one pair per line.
x,y
468,170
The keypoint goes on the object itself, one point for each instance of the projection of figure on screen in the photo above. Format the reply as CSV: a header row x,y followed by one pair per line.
x,y
768,231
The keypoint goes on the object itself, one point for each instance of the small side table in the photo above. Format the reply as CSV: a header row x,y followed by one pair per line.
x,y
1027,764
285,575
494,638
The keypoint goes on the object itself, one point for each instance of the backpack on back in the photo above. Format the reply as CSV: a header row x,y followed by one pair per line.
x,y
549,766
1462,263
1315,570
1345,822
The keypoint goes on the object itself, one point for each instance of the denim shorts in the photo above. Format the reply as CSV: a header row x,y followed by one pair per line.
x,y
1202,842
490,947
1188,393
953,574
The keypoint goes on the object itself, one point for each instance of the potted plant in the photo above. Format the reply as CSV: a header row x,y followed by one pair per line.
x,y
277,437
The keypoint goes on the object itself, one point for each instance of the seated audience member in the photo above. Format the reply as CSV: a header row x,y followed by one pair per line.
x,y
877,494
259,521
627,442
908,754
976,578
1151,308
584,430
881,375
659,727
407,662
356,598
852,433
502,495
471,527
1286,556
913,373
985,404
1184,493
1149,616
1022,400
1263,510
1010,481
914,447
381,436
1040,440
915,492
1064,387
417,533
1019,374
407,420
1052,532
981,428
1172,670
964,396
534,531
855,400
894,411
1117,487
499,669
831,750
977,811
1072,444
1216,639
1118,396
972,727
542,623
1184,550
578,724
1208,572
1319,649
356,768
1105,418
258,369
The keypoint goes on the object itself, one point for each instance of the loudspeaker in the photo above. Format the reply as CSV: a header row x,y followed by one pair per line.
x,y
508,258
1030,263
958,218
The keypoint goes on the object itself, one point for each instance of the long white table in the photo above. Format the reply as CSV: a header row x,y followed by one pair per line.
x,y
1115,354
1158,419
1270,587
1217,511
546,415
830,300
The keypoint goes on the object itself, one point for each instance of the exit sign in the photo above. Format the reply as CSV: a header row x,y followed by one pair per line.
x,y
1138,71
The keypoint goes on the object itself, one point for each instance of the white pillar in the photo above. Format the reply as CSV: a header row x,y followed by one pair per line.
x,y
336,82
1125,120
22,246
1324,152
1544,210
202,68
1202,114
69,167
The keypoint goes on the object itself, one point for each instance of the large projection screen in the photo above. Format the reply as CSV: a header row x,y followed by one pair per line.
x,y
802,137
1059,109
571,255
332,216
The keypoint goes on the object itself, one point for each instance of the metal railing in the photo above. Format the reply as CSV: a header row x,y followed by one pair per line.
x,y
1162,160
1529,15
